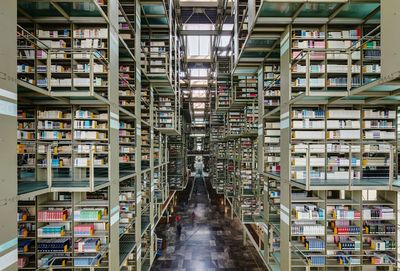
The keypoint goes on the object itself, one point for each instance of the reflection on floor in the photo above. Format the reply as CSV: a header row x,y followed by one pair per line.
x,y
214,242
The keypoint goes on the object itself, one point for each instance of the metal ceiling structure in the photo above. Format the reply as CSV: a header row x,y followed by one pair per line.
x,y
203,19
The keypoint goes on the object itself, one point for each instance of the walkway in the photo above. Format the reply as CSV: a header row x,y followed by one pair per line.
x,y
214,243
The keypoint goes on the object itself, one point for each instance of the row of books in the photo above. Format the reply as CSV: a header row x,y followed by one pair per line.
x,y
334,34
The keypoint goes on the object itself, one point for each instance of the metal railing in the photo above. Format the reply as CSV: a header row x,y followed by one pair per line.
x,y
93,261
307,149
345,53
353,260
94,59
91,167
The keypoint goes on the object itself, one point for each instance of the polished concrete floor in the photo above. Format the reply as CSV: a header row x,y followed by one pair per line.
x,y
213,242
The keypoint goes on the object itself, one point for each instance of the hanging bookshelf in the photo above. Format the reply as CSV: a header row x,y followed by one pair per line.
x,y
26,235
177,167
26,140
55,232
165,111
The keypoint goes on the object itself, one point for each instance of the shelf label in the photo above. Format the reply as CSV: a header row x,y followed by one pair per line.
x,y
138,75
114,124
8,94
285,123
285,218
285,115
114,36
114,218
7,108
284,208
285,44
139,252
113,115
8,244
114,209
8,259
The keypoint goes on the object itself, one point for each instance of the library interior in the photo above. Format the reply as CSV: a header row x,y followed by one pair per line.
x,y
200,135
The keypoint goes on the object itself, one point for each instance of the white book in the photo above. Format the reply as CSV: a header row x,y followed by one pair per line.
x,y
308,135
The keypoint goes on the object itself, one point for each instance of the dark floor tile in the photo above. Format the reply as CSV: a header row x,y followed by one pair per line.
x,y
214,243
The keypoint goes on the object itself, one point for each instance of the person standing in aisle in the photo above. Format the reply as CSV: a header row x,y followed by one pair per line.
x,y
178,218
192,217
179,230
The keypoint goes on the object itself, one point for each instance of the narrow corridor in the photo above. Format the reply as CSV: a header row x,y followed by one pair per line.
x,y
214,242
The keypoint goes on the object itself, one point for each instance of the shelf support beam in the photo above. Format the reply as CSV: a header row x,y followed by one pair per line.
x,y
285,151
113,16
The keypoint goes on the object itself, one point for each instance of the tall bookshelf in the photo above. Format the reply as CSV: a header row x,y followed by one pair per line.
x,y
218,158
339,163
92,163
326,155
177,167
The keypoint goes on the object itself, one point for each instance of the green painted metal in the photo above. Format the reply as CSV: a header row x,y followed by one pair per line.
x,y
157,9
80,9
38,9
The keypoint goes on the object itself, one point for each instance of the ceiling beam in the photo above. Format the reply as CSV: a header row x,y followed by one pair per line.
x,y
205,32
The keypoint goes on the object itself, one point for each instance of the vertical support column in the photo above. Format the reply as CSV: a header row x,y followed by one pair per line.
x,y
260,136
390,37
171,37
166,162
236,31
114,133
8,131
285,151
152,185
138,153
260,154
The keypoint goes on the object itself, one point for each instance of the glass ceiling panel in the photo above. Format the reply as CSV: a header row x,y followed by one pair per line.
x,y
318,9
278,9
227,27
246,70
198,27
38,9
198,46
357,10
387,87
275,55
153,9
198,72
198,82
355,98
224,41
186,1
377,16
155,21
80,9
199,105
199,93
260,42
394,98
253,54
225,53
